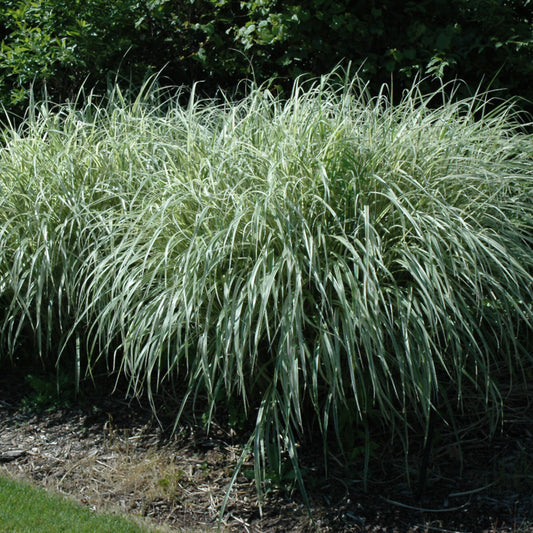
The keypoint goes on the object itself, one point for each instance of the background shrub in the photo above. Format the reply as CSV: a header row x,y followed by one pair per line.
x,y
61,44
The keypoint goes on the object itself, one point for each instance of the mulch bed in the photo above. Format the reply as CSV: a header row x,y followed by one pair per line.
x,y
107,452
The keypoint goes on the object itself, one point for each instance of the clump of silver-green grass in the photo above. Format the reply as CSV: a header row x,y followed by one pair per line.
x,y
330,255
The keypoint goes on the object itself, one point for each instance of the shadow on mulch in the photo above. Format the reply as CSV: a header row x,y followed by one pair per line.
x,y
109,451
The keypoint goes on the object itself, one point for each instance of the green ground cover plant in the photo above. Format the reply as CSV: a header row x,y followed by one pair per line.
x,y
26,509
332,263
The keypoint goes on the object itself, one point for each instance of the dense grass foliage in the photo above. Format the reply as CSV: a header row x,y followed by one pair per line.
x,y
331,261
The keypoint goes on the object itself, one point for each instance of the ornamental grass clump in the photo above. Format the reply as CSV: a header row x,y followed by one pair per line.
x,y
331,260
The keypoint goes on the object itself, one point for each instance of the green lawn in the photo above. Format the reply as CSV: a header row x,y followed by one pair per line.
x,y
24,508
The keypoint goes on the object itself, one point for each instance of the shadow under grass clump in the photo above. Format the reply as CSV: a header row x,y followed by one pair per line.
x,y
48,392
332,260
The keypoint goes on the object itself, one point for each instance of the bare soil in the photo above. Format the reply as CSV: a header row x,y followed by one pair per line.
x,y
110,453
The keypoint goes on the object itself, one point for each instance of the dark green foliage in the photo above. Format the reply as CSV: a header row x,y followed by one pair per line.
x,y
48,392
61,44
473,40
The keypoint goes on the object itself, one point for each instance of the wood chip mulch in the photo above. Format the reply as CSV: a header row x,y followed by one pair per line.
x,y
109,453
